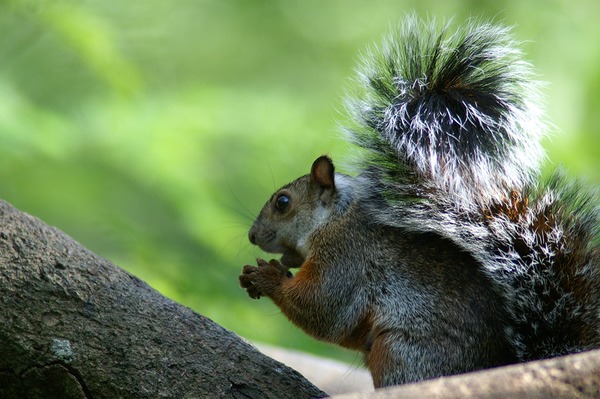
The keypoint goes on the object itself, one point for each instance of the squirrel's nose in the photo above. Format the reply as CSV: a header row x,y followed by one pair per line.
x,y
252,237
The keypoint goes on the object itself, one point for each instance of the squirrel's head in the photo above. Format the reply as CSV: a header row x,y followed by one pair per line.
x,y
295,211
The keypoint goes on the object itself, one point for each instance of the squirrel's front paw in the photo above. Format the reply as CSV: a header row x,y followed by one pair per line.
x,y
264,279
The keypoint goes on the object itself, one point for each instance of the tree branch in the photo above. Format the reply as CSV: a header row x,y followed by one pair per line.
x,y
567,377
76,326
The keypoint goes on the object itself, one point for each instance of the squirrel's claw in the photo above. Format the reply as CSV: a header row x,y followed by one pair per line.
x,y
247,283
263,280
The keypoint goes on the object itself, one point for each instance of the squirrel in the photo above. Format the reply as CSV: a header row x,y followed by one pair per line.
x,y
448,251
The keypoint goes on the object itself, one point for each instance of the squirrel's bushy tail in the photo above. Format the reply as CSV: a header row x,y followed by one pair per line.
x,y
544,251
451,129
457,112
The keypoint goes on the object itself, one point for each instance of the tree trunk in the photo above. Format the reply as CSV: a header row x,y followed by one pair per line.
x,y
76,326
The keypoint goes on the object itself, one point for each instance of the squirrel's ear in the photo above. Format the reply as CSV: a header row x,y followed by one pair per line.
x,y
323,172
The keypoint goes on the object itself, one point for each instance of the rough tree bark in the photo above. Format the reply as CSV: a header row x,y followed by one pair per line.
x,y
75,326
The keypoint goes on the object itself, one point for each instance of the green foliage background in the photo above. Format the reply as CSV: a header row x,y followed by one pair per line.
x,y
153,131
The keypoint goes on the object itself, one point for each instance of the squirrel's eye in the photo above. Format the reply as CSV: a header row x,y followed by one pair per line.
x,y
282,202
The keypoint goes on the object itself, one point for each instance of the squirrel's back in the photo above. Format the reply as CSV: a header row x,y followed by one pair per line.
x,y
451,127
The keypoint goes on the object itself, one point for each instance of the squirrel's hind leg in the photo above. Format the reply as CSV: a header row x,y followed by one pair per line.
x,y
396,358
